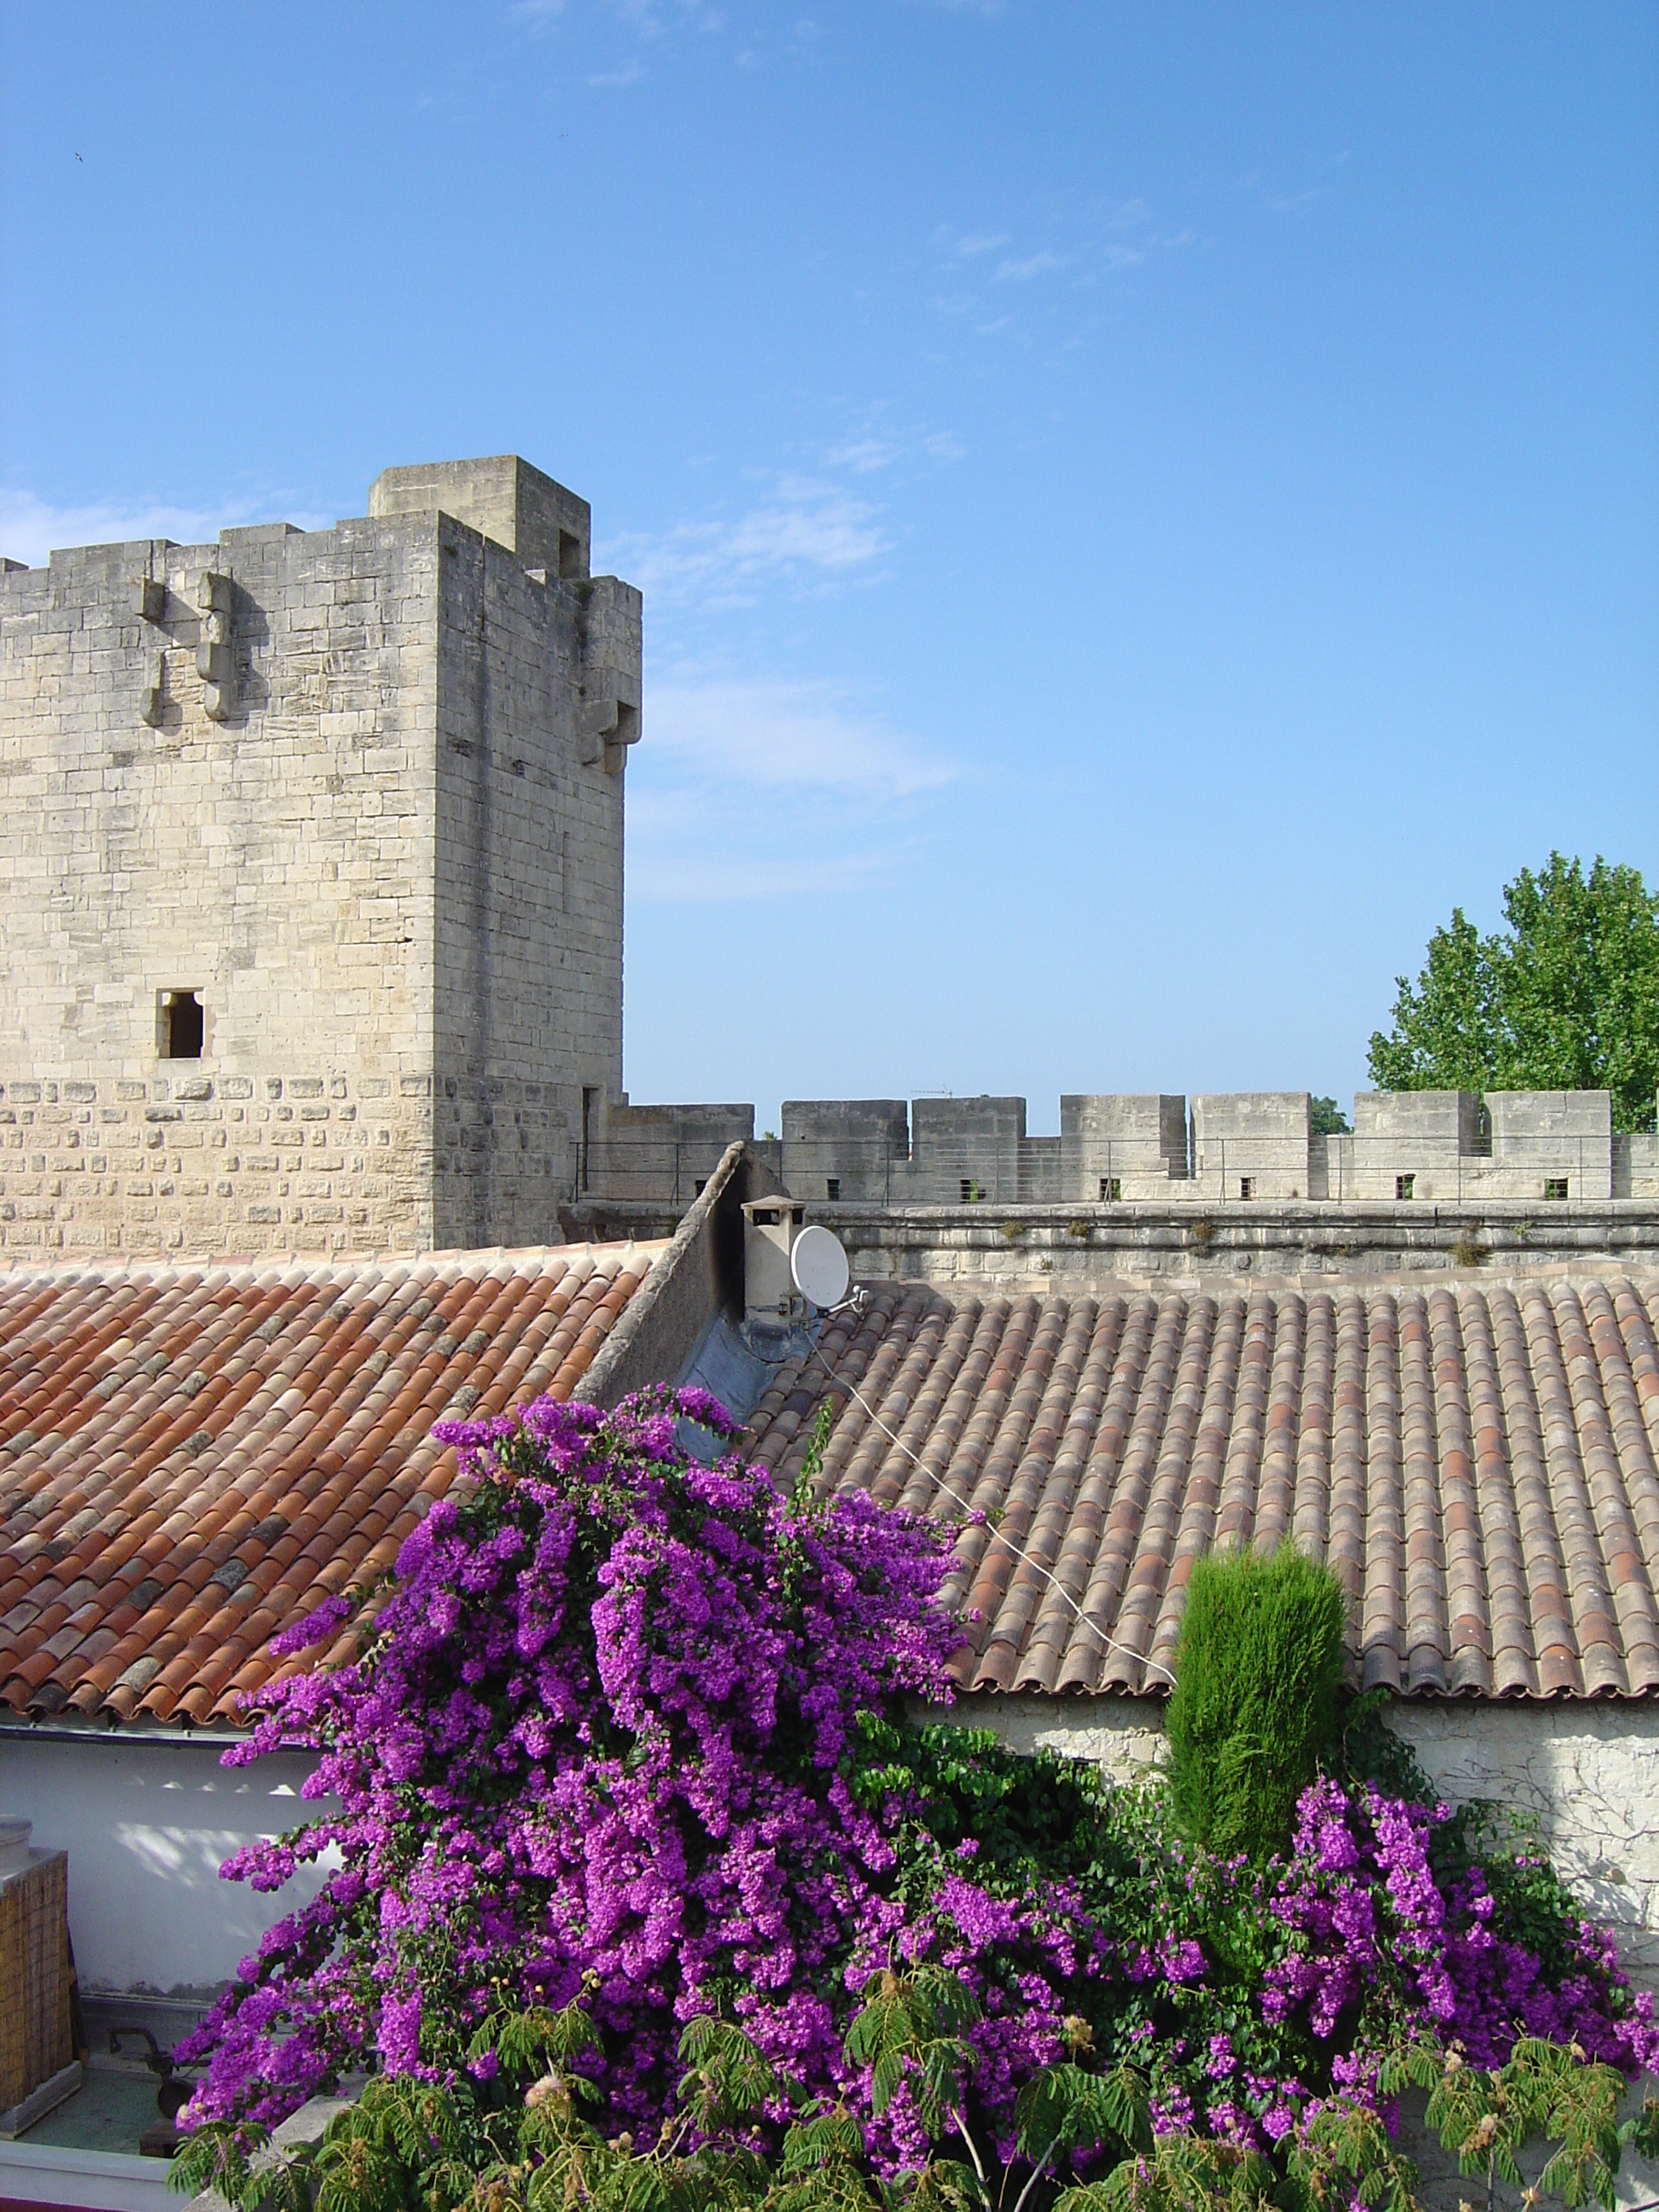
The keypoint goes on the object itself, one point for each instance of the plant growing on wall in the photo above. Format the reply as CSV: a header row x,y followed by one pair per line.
x,y
629,1718
627,1746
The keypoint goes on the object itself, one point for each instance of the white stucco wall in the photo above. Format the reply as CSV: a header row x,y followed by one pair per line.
x,y
146,1822
1590,1774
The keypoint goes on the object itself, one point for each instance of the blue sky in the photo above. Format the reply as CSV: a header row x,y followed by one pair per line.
x,y
1140,509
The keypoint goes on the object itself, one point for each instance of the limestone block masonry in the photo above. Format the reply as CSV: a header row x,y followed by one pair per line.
x,y
311,877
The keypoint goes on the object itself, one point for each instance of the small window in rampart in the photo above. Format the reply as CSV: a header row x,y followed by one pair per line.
x,y
832,1187
1246,1186
970,1191
1404,1185
1111,1189
180,1025
1555,1186
570,553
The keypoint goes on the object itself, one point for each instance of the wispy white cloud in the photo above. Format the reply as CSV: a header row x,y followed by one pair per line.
x,y
30,526
748,789
779,736
806,532
695,851
1034,265
968,245
874,441
864,455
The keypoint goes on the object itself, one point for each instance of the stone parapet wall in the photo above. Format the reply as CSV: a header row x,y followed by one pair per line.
x,y
248,1163
1243,1149
1080,1248
1075,1248
647,1152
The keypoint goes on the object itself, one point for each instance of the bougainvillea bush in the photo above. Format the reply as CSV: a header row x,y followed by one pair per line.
x,y
630,1733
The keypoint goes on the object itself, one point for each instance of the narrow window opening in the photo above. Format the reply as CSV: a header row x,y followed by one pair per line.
x,y
588,1097
832,1186
1404,1186
1555,1186
968,1190
1111,1189
181,1025
702,1185
570,553
1246,1186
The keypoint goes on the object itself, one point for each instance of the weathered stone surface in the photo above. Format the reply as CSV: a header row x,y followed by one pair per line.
x,y
330,782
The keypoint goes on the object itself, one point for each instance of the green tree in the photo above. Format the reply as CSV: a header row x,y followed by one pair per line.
x,y
1567,998
1258,1676
1327,1119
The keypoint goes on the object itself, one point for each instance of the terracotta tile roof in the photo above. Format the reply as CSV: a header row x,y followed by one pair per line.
x,y
1478,1464
193,1458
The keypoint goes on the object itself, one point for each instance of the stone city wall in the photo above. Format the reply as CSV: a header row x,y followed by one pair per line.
x,y
354,797
250,1163
1079,1249
266,840
1233,1149
532,677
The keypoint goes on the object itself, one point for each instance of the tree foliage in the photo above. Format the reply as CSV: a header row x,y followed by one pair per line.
x,y
744,2137
1566,998
1258,1677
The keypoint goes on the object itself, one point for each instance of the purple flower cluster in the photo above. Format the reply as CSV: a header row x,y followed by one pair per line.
x,y
601,1728
1366,1922
614,1719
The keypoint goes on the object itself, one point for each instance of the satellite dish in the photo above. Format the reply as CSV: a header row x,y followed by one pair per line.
x,y
819,1267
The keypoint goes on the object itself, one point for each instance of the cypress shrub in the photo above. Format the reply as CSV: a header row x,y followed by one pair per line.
x,y
1254,1710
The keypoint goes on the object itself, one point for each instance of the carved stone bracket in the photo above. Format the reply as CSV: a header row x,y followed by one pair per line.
x,y
604,730
214,654
150,697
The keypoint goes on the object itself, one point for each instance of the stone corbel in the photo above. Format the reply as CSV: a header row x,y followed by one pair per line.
x,y
606,727
150,697
149,597
214,657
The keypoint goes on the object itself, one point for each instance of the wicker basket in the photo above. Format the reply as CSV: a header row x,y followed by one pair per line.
x,y
35,2041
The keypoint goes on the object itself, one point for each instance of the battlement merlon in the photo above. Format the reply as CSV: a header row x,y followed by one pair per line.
x,y
505,499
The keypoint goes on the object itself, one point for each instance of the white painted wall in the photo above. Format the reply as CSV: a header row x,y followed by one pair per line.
x,y
146,1822
1589,1772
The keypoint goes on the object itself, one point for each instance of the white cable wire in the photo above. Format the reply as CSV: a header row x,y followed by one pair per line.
x,y
1111,1642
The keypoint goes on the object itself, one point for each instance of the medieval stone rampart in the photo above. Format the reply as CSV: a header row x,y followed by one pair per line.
x,y
311,877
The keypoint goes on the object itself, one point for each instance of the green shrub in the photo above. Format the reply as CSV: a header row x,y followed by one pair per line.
x,y
1253,1713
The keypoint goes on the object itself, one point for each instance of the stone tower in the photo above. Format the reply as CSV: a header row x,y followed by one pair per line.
x,y
311,877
